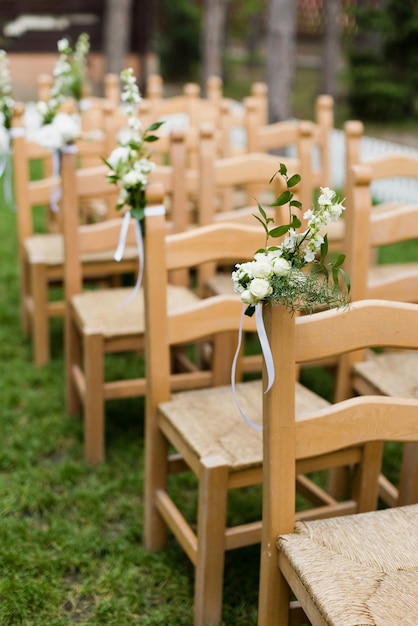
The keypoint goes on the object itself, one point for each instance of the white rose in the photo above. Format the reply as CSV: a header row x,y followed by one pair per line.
x,y
49,137
281,266
262,268
118,155
132,179
247,297
260,288
68,125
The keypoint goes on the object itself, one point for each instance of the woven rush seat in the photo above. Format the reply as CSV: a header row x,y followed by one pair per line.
x,y
220,284
372,579
48,248
392,373
112,313
226,434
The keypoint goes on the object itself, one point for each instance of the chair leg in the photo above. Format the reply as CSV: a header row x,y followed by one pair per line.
x,y
72,356
155,479
408,482
211,523
24,294
40,328
366,479
94,409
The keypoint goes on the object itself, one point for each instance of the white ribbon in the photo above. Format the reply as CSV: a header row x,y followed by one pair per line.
x,y
158,209
267,355
6,169
17,131
56,192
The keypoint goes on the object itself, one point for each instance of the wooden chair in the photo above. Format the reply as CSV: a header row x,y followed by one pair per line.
x,y
360,569
369,227
277,136
204,425
41,253
99,321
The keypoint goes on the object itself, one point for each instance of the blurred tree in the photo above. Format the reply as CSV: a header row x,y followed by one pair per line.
x,y
383,60
331,46
178,31
213,39
280,57
117,34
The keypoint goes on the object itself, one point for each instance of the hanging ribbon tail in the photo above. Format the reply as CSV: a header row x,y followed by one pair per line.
x,y
122,237
265,346
15,131
56,191
154,210
233,376
267,355
140,246
6,176
8,182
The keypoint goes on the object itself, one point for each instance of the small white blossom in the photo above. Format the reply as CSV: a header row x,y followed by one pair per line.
x,y
327,196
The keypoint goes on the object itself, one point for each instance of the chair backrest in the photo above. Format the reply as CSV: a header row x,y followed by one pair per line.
x,y
30,193
286,135
82,240
234,173
164,254
368,228
179,180
290,438
353,133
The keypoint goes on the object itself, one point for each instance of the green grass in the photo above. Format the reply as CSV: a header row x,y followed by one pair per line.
x,y
71,536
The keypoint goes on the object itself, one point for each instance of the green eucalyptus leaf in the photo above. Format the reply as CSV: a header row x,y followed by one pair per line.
x,y
264,225
346,278
284,198
296,203
282,169
295,223
279,230
324,248
262,211
151,138
154,126
339,261
293,180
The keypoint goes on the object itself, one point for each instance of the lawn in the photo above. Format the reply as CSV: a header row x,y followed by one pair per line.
x,y
71,536
71,549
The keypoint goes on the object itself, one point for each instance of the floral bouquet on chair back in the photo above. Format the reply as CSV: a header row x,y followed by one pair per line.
x,y
294,272
130,163
60,127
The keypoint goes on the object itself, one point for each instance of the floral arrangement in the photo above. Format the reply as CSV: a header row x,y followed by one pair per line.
x,y
7,104
294,273
6,101
130,163
59,128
